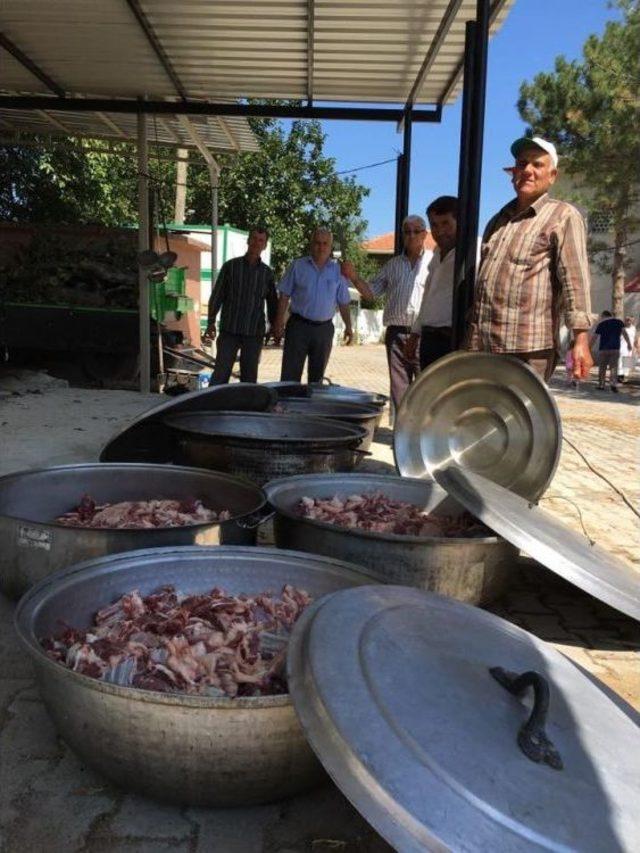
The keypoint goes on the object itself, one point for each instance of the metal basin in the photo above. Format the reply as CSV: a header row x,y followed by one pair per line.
x,y
289,389
185,749
344,392
262,447
33,547
471,569
147,439
357,414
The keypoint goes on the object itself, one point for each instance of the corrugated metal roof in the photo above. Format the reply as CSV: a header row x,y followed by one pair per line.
x,y
327,50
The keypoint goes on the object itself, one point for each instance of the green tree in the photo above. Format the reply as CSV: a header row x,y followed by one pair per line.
x,y
289,185
591,109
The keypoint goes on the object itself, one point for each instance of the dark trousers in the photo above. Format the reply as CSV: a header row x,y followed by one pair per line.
x,y
402,371
434,343
542,361
227,351
302,340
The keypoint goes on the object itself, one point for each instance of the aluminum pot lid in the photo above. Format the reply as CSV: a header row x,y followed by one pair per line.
x,y
487,413
394,689
567,553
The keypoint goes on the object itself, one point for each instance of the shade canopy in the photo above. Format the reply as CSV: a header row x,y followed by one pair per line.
x,y
408,52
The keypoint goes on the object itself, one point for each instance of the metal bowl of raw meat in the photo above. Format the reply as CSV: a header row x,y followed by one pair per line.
x,y
262,447
358,414
33,545
195,750
470,568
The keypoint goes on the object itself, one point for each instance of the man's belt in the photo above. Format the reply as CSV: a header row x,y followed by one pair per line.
x,y
310,322
438,330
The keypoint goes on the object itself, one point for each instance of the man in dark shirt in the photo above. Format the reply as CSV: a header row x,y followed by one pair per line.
x,y
243,286
609,330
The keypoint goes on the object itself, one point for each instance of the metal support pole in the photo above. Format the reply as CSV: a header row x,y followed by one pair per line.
x,y
214,175
471,145
399,196
406,164
143,245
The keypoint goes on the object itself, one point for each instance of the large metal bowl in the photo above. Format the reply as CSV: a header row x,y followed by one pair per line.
x,y
262,447
147,439
345,392
471,569
358,414
32,546
185,749
487,413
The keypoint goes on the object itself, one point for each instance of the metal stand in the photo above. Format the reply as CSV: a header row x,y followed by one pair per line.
x,y
143,246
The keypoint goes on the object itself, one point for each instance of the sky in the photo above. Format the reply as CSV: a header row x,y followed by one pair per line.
x,y
533,35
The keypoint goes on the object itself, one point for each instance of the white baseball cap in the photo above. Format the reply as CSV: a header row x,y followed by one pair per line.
x,y
537,141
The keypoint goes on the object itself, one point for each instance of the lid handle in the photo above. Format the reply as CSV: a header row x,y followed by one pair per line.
x,y
532,738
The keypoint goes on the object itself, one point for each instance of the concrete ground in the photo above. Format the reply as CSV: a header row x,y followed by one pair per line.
x,y
50,802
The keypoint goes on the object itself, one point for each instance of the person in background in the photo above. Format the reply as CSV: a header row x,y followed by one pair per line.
x,y
610,330
243,287
432,326
312,287
533,268
626,362
401,280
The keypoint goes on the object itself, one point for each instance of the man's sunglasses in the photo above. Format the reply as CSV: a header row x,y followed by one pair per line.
x,y
419,231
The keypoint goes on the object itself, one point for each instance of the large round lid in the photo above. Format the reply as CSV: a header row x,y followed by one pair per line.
x,y
570,555
402,695
487,413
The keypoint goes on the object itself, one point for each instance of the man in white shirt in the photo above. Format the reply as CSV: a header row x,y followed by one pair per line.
x,y
401,280
432,327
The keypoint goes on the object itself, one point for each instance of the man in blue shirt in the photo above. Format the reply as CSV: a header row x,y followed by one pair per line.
x,y
312,287
609,330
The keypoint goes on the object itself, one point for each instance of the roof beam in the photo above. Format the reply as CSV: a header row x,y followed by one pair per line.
x,y
169,130
311,15
434,48
496,8
197,140
30,65
156,46
207,108
111,124
55,122
224,126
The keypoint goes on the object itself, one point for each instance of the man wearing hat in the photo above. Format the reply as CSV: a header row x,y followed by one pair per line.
x,y
533,270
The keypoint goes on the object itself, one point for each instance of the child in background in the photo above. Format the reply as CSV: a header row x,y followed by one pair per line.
x,y
568,366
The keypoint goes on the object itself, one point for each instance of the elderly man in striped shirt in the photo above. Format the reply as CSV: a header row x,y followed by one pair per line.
x,y
533,270
401,280
243,287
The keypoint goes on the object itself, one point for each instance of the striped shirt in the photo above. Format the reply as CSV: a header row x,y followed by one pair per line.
x,y
533,270
403,285
241,291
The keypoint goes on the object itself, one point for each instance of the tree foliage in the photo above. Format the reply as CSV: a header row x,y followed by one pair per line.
x,y
288,185
591,109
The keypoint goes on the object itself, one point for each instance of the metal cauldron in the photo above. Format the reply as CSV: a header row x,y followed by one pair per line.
x,y
262,447
344,392
32,546
471,569
186,749
357,414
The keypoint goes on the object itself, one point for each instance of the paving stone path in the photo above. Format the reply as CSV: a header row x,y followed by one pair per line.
x,y
51,802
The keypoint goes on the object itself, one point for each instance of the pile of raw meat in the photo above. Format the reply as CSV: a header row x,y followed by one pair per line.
x,y
140,514
380,514
213,644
